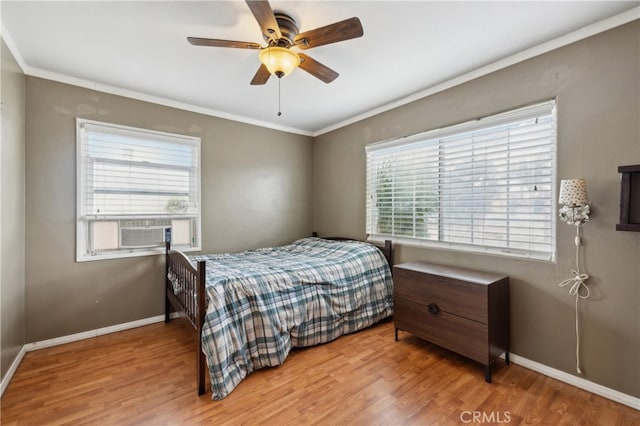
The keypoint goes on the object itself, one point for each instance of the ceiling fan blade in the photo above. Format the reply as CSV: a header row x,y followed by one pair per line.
x,y
316,69
261,76
333,33
266,19
197,41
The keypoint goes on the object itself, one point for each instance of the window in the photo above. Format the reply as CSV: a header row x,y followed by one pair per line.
x,y
484,186
136,189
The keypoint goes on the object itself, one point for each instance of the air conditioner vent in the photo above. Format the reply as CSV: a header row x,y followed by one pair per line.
x,y
140,236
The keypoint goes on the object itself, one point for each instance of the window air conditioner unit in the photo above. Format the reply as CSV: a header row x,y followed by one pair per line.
x,y
142,236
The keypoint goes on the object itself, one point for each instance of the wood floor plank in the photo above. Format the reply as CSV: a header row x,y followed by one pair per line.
x,y
146,376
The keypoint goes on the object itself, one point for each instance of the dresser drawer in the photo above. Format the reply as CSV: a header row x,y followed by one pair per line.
x,y
457,297
461,335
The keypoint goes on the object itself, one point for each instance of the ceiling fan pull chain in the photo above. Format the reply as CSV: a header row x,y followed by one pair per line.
x,y
279,112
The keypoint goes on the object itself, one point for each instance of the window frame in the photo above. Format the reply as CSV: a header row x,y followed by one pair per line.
x,y
82,227
546,107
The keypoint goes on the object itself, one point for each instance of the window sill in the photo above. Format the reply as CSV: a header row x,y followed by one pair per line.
x,y
456,247
128,254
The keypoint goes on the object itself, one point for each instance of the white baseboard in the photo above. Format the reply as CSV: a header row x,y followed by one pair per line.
x,y
12,370
73,338
578,382
92,333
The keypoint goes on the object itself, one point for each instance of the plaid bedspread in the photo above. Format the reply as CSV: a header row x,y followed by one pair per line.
x,y
263,302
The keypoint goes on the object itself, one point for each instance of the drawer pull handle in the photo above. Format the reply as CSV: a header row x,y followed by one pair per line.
x,y
433,308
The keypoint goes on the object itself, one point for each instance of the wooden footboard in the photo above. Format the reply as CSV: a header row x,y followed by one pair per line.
x,y
186,294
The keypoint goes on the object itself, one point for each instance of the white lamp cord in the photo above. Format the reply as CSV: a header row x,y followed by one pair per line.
x,y
579,289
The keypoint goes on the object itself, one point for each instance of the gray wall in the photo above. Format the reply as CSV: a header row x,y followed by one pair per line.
x,y
597,86
12,167
256,191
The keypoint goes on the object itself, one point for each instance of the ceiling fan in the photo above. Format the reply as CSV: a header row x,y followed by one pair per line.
x,y
281,33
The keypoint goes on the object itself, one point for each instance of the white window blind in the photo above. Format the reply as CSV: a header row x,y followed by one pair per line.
x,y
136,188
485,186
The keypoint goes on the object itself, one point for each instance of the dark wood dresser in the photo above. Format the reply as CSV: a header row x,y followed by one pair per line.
x,y
459,309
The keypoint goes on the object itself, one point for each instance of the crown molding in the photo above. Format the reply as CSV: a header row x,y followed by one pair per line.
x,y
572,37
141,96
8,40
132,94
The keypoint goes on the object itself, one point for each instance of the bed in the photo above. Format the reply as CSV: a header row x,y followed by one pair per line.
x,y
248,310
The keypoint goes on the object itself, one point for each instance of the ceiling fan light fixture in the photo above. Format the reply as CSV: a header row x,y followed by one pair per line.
x,y
280,61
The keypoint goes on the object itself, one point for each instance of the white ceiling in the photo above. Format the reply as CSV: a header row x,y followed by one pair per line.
x,y
139,49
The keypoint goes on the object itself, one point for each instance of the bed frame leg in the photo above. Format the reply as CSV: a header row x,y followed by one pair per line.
x,y
199,318
201,367
167,308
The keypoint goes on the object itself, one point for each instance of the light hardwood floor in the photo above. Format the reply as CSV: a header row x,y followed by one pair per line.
x,y
146,376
